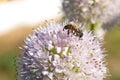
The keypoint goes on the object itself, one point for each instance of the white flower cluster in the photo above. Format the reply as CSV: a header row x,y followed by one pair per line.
x,y
51,54
82,10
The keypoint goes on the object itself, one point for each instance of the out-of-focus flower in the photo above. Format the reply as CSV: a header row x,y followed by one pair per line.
x,y
51,54
82,10
111,15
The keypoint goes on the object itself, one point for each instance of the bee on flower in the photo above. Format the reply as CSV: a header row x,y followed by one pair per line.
x,y
51,54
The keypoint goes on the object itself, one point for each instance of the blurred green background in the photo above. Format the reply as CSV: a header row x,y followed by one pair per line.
x,y
112,45
10,43
9,49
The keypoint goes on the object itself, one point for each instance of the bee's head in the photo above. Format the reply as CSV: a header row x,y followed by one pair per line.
x,y
67,26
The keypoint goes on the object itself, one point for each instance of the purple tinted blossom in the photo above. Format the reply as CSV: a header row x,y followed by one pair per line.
x,y
51,54
83,10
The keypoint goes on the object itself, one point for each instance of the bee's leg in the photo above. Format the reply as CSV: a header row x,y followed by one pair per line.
x,y
68,32
77,34
80,35
63,29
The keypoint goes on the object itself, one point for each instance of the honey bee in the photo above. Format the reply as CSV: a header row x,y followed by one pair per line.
x,y
74,29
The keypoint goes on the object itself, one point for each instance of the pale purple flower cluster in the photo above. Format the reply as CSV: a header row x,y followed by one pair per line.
x,y
83,10
51,54
111,15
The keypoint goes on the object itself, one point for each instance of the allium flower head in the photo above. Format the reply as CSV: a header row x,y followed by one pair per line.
x,y
51,54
